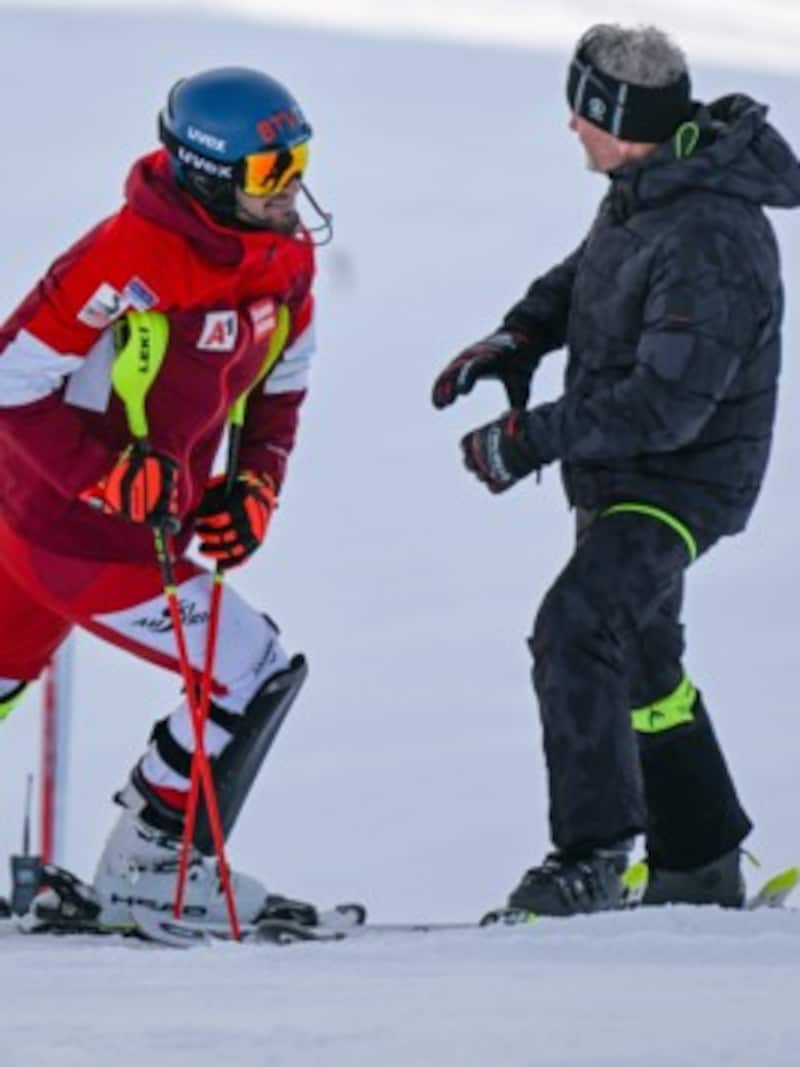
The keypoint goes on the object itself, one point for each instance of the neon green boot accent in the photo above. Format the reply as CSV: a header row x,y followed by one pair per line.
x,y
635,881
665,714
9,702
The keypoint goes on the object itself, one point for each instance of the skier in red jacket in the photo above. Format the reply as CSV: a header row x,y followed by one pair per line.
x,y
208,259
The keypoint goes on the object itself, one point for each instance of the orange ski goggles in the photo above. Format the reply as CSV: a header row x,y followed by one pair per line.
x,y
267,173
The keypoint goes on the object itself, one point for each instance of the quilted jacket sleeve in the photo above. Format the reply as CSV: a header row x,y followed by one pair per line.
x,y
700,320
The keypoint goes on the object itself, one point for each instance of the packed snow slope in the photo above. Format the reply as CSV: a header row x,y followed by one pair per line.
x,y
669,989
410,772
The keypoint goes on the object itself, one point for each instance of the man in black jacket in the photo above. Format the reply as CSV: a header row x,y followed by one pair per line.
x,y
670,311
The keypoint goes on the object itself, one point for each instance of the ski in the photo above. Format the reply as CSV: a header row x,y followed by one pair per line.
x,y
772,894
277,929
68,906
65,905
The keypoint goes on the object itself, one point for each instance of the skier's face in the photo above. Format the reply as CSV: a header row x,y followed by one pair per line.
x,y
277,212
604,152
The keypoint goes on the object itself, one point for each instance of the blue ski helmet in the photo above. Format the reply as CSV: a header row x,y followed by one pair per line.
x,y
232,128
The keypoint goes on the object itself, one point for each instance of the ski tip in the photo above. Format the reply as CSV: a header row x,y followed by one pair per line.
x,y
775,891
508,917
352,912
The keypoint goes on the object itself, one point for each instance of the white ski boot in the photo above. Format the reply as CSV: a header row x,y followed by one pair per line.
x,y
139,866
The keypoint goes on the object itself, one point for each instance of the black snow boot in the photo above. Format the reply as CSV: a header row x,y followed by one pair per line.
x,y
719,882
568,885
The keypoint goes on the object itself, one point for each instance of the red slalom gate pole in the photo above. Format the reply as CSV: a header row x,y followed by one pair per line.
x,y
47,773
55,733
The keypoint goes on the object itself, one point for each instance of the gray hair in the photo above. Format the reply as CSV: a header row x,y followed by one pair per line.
x,y
640,55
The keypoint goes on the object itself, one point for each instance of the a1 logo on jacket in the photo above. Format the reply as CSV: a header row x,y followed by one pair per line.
x,y
220,329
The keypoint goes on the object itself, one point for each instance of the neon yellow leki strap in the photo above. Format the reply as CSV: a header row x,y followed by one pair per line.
x,y
141,339
673,710
680,528
277,342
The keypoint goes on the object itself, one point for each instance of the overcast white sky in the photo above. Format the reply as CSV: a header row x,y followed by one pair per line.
x,y
762,34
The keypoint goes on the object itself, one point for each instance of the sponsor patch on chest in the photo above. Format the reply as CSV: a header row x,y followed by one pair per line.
x,y
262,316
220,329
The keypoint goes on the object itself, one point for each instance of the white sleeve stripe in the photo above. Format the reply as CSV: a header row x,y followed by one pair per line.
x,y
30,370
292,371
90,386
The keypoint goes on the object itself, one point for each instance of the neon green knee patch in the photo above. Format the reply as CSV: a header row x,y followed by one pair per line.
x,y
665,714
7,704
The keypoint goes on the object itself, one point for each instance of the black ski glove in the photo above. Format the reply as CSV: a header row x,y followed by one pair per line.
x,y
506,355
501,452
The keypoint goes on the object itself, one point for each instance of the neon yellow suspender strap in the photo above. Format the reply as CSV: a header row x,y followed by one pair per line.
x,y
8,703
680,528
141,339
672,710
275,347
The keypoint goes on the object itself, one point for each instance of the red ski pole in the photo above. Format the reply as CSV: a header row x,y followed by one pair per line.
x,y
199,756
275,348
141,340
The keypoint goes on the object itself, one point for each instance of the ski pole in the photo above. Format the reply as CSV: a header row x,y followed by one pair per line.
x,y
236,418
133,373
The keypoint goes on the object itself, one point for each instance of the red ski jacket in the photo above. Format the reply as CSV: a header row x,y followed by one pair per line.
x,y
62,426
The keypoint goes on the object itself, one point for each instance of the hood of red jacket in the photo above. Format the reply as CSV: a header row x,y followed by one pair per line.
x,y
152,192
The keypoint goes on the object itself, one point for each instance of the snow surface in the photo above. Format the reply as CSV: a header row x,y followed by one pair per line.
x,y
410,773
646,990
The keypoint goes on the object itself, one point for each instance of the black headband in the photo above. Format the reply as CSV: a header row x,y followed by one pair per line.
x,y
630,112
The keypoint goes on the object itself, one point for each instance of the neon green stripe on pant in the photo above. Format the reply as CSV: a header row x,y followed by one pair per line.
x,y
673,710
680,528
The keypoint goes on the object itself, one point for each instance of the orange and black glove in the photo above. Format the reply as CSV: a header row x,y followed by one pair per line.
x,y
140,487
231,526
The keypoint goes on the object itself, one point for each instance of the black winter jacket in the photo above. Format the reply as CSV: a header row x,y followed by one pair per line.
x,y
671,312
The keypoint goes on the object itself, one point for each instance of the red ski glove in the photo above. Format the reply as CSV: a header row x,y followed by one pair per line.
x,y
140,487
231,526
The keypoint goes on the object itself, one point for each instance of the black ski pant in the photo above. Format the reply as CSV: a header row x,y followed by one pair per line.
x,y
607,640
